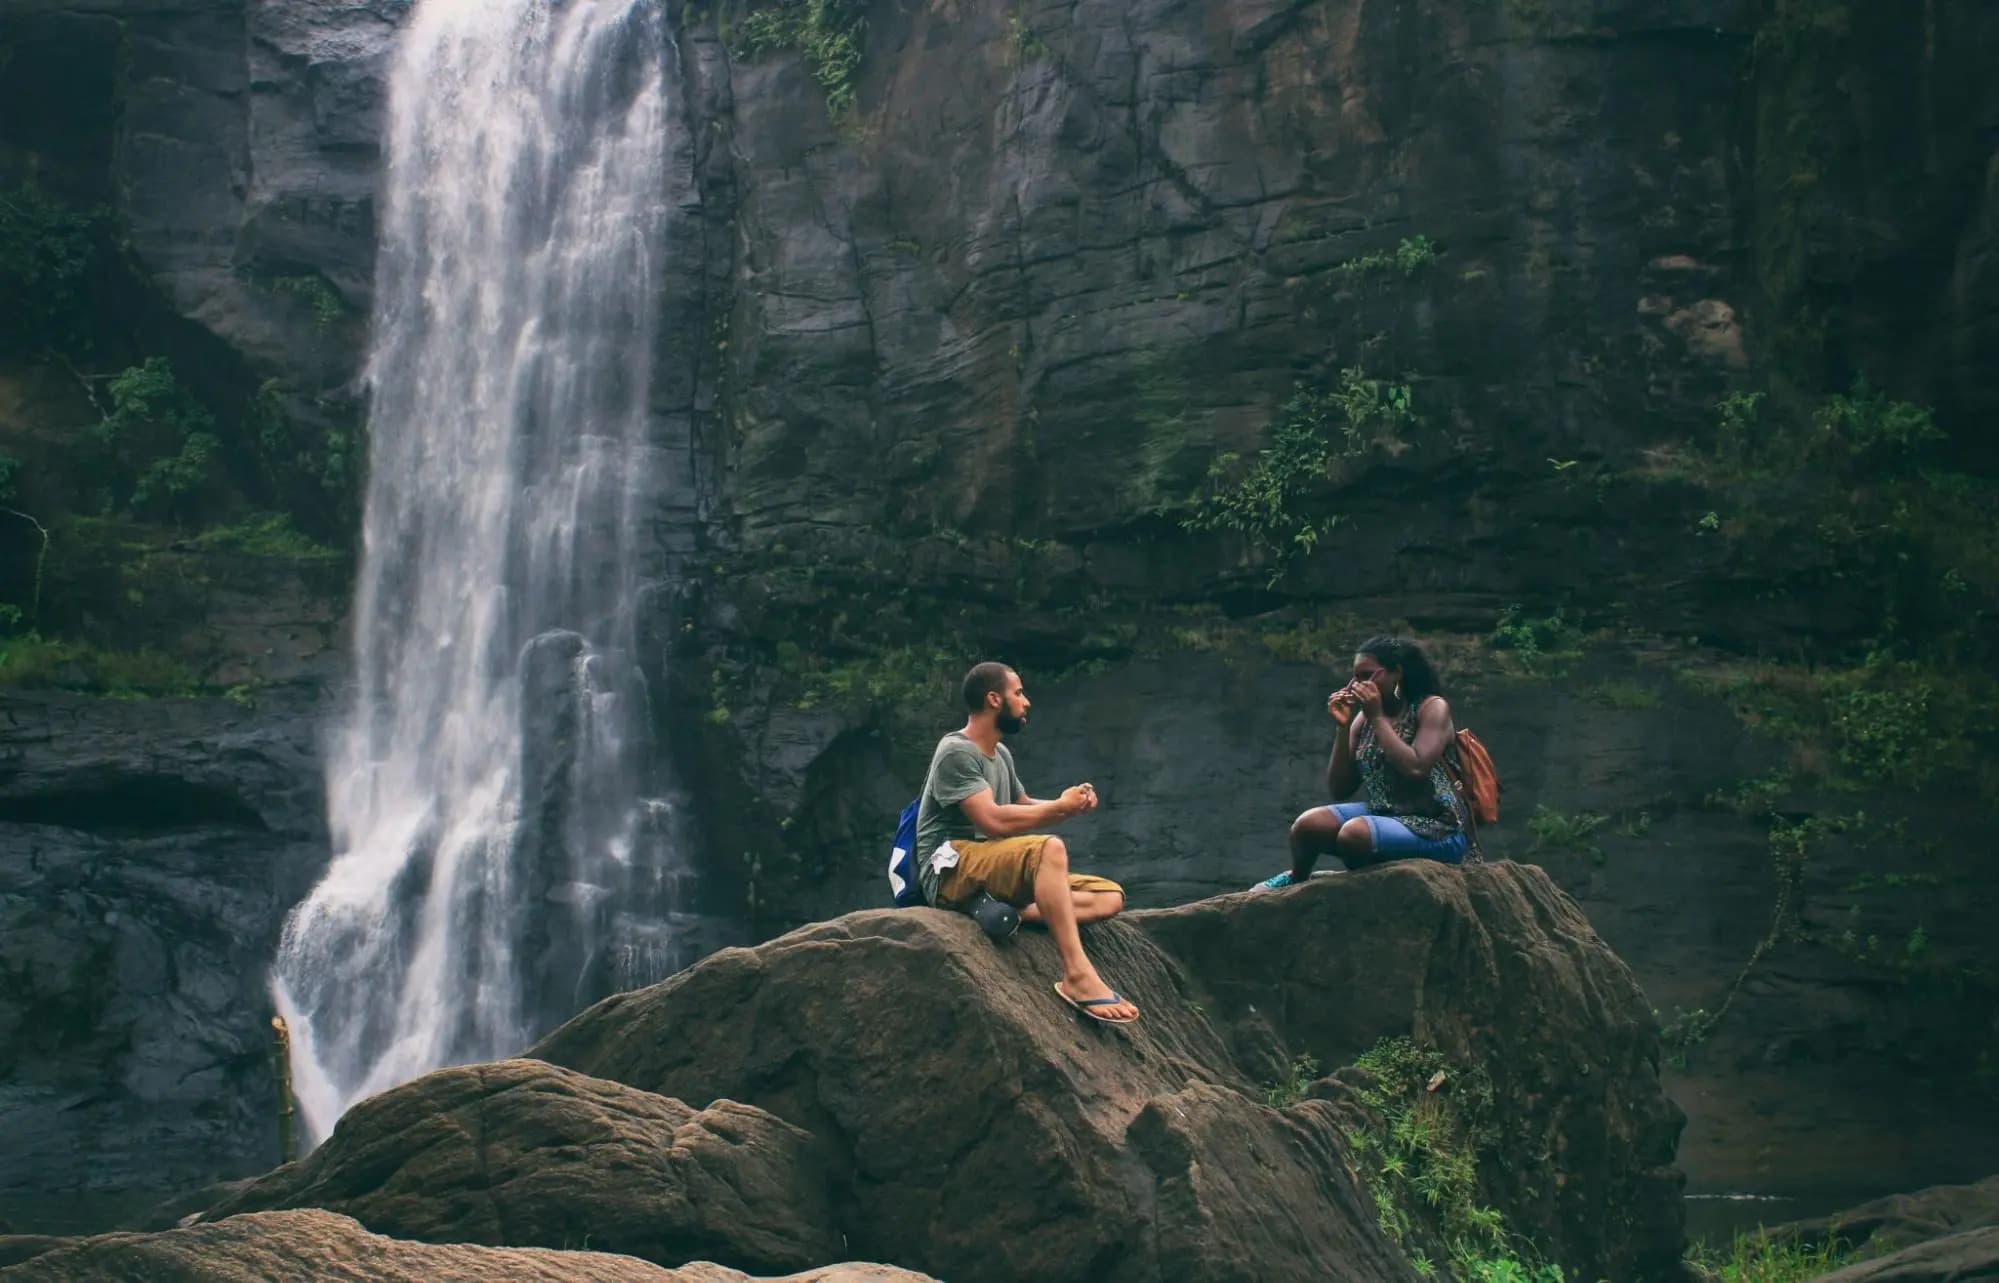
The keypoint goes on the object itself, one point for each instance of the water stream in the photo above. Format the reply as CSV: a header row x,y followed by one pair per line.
x,y
501,853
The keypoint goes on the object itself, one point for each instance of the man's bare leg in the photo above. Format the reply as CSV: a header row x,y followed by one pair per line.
x,y
1058,910
1090,906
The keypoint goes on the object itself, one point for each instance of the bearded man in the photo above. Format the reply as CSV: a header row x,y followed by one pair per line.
x,y
978,832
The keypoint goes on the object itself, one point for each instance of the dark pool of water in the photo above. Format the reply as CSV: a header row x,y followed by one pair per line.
x,y
1718,1218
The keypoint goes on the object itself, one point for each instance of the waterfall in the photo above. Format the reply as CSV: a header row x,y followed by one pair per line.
x,y
496,857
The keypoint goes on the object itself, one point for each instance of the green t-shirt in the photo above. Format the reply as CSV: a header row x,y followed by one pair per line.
x,y
958,770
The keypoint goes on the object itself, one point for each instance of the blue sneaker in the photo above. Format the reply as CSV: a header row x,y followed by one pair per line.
x,y
1277,883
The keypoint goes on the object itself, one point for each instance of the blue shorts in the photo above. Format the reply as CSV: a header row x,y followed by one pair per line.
x,y
1393,839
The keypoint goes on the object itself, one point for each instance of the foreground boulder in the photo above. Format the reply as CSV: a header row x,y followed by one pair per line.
x,y
1943,1234
521,1153
983,1132
1969,1257
1886,1225
266,1246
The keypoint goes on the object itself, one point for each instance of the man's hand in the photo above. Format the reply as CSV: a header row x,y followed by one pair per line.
x,y
1078,798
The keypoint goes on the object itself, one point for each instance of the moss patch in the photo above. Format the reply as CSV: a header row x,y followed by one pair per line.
x,y
1429,1122
32,660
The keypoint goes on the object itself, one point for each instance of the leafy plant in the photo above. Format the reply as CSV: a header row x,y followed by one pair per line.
x,y
316,293
34,660
1535,644
1791,843
1411,256
313,467
828,33
1765,1259
1510,1270
1423,1159
265,534
1555,830
1290,1090
165,484
156,450
47,251
1027,44
1685,1031
1868,424
1262,500
1628,696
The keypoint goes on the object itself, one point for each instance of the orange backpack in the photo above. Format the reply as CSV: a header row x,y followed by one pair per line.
x,y
1471,766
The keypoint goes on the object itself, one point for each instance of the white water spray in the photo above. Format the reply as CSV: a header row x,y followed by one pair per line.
x,y
492,840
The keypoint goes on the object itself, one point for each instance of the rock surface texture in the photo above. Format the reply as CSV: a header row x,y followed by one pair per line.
x,y
148,850
1970,1257
522,1154
266,1247
979,1131
1945,1234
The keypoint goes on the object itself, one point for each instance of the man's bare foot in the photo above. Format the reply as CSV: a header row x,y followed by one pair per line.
x,y
1090,986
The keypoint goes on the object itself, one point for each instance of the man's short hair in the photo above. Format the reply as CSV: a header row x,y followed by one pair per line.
x,y
983,680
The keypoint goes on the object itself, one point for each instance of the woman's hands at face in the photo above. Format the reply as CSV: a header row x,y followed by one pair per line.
x,y
1342,704
1368,696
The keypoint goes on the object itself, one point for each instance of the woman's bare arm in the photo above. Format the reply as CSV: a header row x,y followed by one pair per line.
x,y
1433,735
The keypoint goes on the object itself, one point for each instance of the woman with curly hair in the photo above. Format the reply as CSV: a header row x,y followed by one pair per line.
x,y
1392,731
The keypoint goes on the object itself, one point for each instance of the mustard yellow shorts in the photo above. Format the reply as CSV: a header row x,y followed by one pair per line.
x,y
1004,868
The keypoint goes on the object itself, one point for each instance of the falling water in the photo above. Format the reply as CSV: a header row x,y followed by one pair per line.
x,y
494,847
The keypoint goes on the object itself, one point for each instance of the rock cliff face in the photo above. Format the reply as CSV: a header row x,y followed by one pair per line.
x,y
944,373
980,342
523,1154
148,851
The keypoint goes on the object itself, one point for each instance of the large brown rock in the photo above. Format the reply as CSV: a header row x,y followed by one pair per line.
x,y
521,1153
987,1133
279,1247
1970,1257
1898,1221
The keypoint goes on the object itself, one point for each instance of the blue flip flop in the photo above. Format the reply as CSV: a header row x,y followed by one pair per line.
x,y
1084,1007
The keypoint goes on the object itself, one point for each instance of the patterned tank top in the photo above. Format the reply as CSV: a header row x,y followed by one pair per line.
x,y
1428,805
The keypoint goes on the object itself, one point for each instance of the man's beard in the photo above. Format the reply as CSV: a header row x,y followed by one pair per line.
x,y
1010,725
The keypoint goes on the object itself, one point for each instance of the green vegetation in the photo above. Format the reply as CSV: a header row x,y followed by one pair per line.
x,y
154,452
31,660
1845,497
1411,256
1420,1158
1507,1269
828,34
1266,500
265,534
1885,720
1303,1072
1759,1259
47,254
314,468
1027,45
1791,843
1534,647
1555,830
1624,695
316,293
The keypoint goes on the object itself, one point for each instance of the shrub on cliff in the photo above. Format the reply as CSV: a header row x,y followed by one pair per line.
x,y
47,251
